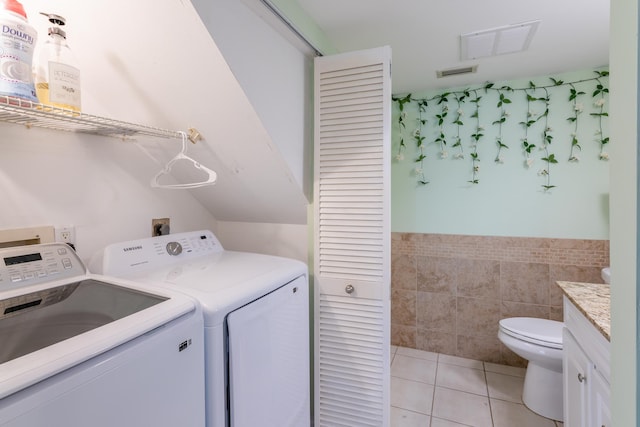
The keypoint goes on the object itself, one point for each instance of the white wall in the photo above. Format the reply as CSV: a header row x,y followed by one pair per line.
x,y
100,185
624,214
164,71
275,71
286,240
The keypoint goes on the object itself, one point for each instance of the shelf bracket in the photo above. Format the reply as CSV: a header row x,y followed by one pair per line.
x,y
194,135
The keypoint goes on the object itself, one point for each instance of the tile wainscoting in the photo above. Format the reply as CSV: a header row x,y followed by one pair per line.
x,y
448,292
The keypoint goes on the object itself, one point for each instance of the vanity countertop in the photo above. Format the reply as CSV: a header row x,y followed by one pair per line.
x,y
593,300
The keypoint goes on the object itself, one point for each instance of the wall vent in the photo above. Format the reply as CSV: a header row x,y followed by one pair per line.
x,y
456,71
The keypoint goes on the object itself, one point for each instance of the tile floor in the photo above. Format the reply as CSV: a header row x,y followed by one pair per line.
x,y
436,390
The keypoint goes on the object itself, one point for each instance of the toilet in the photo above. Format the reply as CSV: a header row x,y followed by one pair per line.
x,y
540,342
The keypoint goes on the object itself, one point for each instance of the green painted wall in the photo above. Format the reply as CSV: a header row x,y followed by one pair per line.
x,y
624,212
508,199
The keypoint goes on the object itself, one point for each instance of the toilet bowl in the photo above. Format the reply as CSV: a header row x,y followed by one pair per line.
x,y
540,342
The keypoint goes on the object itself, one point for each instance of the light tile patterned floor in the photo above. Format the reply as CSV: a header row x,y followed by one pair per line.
x,y
436,390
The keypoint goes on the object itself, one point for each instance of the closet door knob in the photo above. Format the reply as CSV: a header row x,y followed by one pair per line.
x,y
581,377
349,289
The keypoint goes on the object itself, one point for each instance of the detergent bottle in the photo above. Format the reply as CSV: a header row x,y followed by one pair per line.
x,y
17,43
57,78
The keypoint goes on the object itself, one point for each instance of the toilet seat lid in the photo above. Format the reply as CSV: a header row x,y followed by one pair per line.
x,y
539,331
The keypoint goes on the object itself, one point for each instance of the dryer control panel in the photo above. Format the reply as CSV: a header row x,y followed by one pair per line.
x,y
125,258
22,266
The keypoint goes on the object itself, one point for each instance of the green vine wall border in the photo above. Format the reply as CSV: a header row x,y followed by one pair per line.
x,y
447,108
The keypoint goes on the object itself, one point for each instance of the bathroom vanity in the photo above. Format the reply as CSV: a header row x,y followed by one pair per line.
x,y
586,357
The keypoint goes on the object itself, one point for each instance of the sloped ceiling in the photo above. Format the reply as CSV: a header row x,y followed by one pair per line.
x,y
424,36
154,63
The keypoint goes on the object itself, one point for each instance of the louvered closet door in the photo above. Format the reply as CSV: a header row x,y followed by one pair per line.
x,y
352,238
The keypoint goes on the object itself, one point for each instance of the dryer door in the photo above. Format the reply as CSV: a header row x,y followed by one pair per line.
x,y
269,359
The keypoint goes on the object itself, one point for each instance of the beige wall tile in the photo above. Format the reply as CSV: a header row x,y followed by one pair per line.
x,y
403,336
478,316
436,312
436,341
478,278
448,284
556,313
403,271
486,348
403,307
524,282
518,309
436,274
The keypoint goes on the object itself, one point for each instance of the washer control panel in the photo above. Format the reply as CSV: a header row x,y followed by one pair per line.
x,y
186,245
22,266
125,258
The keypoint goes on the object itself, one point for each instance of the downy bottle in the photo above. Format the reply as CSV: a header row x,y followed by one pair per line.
x,y
56,76
17,43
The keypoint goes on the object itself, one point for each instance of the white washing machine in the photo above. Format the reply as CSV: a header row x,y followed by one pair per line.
x,y
82,350
256,316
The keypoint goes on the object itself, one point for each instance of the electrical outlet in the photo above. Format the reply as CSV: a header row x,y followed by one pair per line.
x,y
160,226
66,234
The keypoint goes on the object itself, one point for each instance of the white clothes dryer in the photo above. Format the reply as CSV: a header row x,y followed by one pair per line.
x,y
83,350
256,317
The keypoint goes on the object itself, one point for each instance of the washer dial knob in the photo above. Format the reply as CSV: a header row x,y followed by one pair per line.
x,y
174,248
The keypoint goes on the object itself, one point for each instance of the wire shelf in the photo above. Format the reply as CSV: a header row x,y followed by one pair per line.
x,y
20,111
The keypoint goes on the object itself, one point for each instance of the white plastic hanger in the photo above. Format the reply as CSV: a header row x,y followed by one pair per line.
x,y
182,156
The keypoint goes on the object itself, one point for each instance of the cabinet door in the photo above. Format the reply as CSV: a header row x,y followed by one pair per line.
x,y
600,391
575,371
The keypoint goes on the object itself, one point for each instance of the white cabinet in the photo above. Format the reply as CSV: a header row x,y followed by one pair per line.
x,y
586,372
600,412
575,366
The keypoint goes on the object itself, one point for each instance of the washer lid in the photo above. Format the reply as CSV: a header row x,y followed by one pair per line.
x,y
539,331
90,319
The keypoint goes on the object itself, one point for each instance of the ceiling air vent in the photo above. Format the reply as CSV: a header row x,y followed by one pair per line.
x,y
457,71
497,41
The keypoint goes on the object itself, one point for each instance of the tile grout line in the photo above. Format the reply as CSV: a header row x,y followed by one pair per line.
x,y
433,396
486,383
440,359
